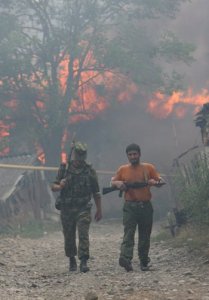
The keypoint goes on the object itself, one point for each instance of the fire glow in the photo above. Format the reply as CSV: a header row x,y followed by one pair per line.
x,y
4,133
91,97
162,106
96,91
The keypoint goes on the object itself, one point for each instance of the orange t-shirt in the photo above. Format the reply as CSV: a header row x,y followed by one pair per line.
x,y
141,172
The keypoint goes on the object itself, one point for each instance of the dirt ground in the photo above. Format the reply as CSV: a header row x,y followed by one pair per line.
x,y
38,269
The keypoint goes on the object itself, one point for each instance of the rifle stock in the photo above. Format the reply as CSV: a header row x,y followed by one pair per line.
x,y
107,190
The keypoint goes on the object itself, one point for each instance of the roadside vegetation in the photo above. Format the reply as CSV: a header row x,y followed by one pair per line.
x,y
192,192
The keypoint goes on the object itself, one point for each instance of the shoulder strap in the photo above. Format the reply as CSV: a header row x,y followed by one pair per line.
x,y
146,177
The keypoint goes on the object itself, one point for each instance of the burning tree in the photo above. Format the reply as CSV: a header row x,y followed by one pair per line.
x,y
60,60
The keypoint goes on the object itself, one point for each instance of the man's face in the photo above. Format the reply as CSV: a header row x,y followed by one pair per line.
x,y
133,157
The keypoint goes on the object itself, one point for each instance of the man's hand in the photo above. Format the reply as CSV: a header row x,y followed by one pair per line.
x,y
153,182
119,185
98,215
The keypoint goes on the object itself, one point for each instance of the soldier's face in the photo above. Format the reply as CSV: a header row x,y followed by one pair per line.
x,y
78,159
133,157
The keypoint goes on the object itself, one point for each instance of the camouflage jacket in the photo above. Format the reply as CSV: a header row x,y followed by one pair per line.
x,y
81,183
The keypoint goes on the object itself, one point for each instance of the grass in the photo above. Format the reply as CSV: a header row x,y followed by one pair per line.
x,y
163,235
193,237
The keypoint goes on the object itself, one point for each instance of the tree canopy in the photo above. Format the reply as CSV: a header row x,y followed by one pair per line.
x,y
64,58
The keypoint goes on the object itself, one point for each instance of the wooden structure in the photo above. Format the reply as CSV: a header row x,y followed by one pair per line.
x,y
24,194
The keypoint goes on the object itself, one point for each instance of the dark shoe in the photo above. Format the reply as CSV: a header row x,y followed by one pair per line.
x,y
73,264
126,264
144,266
83,266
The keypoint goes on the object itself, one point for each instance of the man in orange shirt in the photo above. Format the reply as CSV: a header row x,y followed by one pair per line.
x,y
137,210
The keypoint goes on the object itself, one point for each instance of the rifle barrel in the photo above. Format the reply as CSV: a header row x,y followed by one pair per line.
x,y
107,190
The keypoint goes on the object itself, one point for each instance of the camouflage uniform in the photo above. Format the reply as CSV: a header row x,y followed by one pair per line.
x,y
81,183
76,208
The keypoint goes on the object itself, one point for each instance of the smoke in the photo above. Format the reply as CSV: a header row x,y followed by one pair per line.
x,y
192,26
161,140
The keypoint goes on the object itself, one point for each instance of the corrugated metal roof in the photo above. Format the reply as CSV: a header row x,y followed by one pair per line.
x,y
9,178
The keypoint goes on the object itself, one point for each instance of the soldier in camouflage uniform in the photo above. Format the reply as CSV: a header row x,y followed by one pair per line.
x,y
77,187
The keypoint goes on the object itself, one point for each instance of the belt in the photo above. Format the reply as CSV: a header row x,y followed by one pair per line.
x,y
140,204
137,201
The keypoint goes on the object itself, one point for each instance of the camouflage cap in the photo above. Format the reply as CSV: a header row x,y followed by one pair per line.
x,y
80,148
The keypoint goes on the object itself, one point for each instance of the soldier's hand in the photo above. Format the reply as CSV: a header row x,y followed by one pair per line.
x,y
98,215
62,183
55,187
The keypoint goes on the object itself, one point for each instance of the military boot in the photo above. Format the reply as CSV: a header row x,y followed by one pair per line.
x,y
72,264
144,264
144,267
83,265
126,264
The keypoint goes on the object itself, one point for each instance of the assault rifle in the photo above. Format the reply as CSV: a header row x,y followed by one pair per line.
x,y
129,185
62,173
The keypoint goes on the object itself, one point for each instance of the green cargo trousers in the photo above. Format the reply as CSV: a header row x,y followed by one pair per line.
x,y
73,219
141,214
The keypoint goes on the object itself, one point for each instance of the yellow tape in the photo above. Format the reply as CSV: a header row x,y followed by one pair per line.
x,y
42,168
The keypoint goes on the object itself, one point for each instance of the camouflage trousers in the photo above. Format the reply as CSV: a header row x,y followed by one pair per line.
x,y
137,214
76,220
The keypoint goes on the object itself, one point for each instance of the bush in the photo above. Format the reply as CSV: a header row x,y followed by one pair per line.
x,y
192,181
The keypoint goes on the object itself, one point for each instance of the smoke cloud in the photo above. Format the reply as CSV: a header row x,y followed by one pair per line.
x,y
161,140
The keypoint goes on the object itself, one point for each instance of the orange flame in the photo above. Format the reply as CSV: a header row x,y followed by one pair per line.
x,y
90,99
40,153
4,130
162,106
88,102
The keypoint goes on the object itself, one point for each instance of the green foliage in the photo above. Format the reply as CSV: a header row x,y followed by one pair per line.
x,y
157,8
194,238
173,82
193,189
163,235
172,49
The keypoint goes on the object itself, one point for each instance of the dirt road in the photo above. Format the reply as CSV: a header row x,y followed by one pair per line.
x,y
37,269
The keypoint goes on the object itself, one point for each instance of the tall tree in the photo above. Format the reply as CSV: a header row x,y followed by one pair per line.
x,y
53,52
